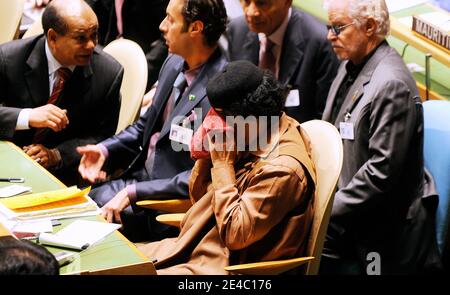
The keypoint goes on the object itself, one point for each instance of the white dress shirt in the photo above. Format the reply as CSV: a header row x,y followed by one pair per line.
x,y
53,66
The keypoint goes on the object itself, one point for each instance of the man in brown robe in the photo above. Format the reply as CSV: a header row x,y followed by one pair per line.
x,y
249,205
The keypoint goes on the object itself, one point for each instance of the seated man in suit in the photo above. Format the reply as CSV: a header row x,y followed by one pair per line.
x,y
252,192
52,87
379,223
154,167
290,43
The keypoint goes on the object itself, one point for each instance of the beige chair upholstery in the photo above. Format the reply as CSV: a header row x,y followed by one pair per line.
x,y
130,55
170,206
10,16
173,219
35,29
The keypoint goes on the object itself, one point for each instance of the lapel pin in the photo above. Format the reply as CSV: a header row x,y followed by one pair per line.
x,y
355,95
191,97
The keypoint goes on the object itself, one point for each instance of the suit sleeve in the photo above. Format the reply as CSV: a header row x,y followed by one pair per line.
x,y
392,121
161,189
327,66
244,218
8,115
105,126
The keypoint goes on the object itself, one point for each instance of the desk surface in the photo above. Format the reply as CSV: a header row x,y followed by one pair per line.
x,y
112,252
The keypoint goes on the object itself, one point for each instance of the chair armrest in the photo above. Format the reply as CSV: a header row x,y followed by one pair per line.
x,y
141,268
171,219
268,267
171,206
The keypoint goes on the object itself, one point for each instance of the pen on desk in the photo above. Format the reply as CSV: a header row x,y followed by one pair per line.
x,y
13,179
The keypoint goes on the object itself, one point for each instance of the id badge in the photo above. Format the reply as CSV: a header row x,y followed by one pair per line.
x,y
181,134
346,130
293,99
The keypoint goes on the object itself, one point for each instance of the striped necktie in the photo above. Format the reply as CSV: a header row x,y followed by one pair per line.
x,y
268,60
63,74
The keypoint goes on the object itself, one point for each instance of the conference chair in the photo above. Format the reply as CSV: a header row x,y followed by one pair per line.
x,y
35,29
437,161
130,55
10,15
327,156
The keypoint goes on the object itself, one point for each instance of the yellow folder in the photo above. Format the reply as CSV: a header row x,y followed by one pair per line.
x,y
46,200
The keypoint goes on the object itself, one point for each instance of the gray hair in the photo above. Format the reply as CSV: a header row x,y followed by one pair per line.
x,y
360,10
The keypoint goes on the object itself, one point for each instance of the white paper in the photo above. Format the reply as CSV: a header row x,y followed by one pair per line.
x,y
415,68
89,208
293,99
397,5
40,226
13,190
79,235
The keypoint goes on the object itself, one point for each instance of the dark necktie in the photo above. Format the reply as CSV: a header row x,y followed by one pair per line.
x,y
268,60
63,74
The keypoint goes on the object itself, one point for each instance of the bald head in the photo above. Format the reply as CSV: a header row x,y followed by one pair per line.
x,y
71,30
59,13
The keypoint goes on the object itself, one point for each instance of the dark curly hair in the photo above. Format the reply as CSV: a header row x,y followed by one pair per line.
x,y
211,13
266,100
19,257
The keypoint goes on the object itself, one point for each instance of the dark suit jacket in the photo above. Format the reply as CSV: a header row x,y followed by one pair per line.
x,y
307,61
379,206
24,83
171,169
140,21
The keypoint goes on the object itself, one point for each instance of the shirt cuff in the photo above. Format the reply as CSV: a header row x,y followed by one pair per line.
x,y
131,192
103,149
23,120
223,176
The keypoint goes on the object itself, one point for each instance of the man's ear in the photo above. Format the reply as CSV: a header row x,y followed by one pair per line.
x,y
51,38
197,27
371,26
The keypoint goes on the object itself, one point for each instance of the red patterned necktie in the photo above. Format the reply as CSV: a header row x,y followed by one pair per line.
x,y
62,75
268,60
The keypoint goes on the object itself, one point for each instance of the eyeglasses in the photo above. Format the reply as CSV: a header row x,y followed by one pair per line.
x,y
336,30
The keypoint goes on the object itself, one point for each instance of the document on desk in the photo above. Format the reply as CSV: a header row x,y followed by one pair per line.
x,y
13,190
65,203
79,235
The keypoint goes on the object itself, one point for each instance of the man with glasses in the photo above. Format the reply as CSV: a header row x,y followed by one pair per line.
x,y
378,223
290,43
52,87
